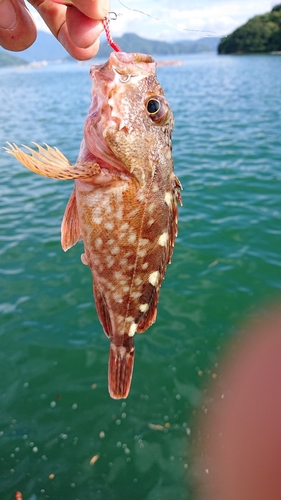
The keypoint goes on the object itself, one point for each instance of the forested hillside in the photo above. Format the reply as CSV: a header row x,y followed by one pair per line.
x,y
261,34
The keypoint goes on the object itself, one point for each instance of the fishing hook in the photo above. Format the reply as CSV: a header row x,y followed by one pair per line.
x,y
124,78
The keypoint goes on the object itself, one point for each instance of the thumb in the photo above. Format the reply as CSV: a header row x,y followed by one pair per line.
x,y
17,29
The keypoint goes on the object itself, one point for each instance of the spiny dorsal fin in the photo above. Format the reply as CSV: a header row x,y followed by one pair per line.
x,y
50,162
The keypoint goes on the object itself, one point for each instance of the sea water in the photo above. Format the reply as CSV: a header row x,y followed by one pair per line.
x,y
61,436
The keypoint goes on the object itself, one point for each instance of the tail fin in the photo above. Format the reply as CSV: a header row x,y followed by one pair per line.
x,y
120,368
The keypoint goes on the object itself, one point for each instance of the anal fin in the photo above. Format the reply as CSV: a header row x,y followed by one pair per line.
x,y
120,368
50,162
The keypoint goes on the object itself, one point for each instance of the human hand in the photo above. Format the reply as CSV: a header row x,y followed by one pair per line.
x,y
77,27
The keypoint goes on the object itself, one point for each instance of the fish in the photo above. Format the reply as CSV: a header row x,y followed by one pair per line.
x,y
124,205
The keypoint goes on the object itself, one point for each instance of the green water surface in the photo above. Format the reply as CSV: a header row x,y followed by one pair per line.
x,y
55,411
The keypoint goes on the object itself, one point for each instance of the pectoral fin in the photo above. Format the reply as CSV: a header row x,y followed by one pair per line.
x,y
50,162
70,226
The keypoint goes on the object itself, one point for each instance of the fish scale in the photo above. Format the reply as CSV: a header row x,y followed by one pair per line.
x,y
124,205
123,237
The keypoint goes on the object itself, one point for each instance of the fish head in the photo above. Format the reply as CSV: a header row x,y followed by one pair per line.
x,y
130,122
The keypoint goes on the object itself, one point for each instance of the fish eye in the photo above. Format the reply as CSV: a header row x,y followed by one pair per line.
x,y
157,109
153,106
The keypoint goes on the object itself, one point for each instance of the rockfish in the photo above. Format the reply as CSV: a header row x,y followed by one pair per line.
x,y
124,203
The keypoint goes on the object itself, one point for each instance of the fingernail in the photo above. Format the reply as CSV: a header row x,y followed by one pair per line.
x,y
8,17
68,3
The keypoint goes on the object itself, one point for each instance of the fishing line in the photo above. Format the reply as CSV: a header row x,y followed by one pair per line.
x,y
166,22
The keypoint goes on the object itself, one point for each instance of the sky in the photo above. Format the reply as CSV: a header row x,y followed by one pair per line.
x,y
190,19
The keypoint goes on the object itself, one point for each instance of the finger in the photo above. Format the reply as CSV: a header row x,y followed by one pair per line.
x,y
94,9
54,16
17,29
81,54
82,30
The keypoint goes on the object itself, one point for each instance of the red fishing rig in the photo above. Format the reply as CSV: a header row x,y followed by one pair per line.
x,y
112,44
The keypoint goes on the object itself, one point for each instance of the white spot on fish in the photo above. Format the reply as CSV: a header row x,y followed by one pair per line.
x,y
138,281
123,281
141,195
155,188
117,297
135,295
145,266
143,241
110,285
94,199
98,243
126,289
142,253
132,237
124,227
96,220
119,213
109,226
130,319
154,278
133,213
115,250
123,262
96,261
109,261
168,199
133,329
150,222
144,307
163,239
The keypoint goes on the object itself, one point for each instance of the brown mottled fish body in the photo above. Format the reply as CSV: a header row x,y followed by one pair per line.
x,y
124,204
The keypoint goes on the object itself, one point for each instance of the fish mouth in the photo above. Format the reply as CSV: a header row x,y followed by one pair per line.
x,y
109,86
131,58
123,64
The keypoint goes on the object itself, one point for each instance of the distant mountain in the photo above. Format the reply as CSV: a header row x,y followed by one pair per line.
x,y
46,47
130,42
9,60
261,34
